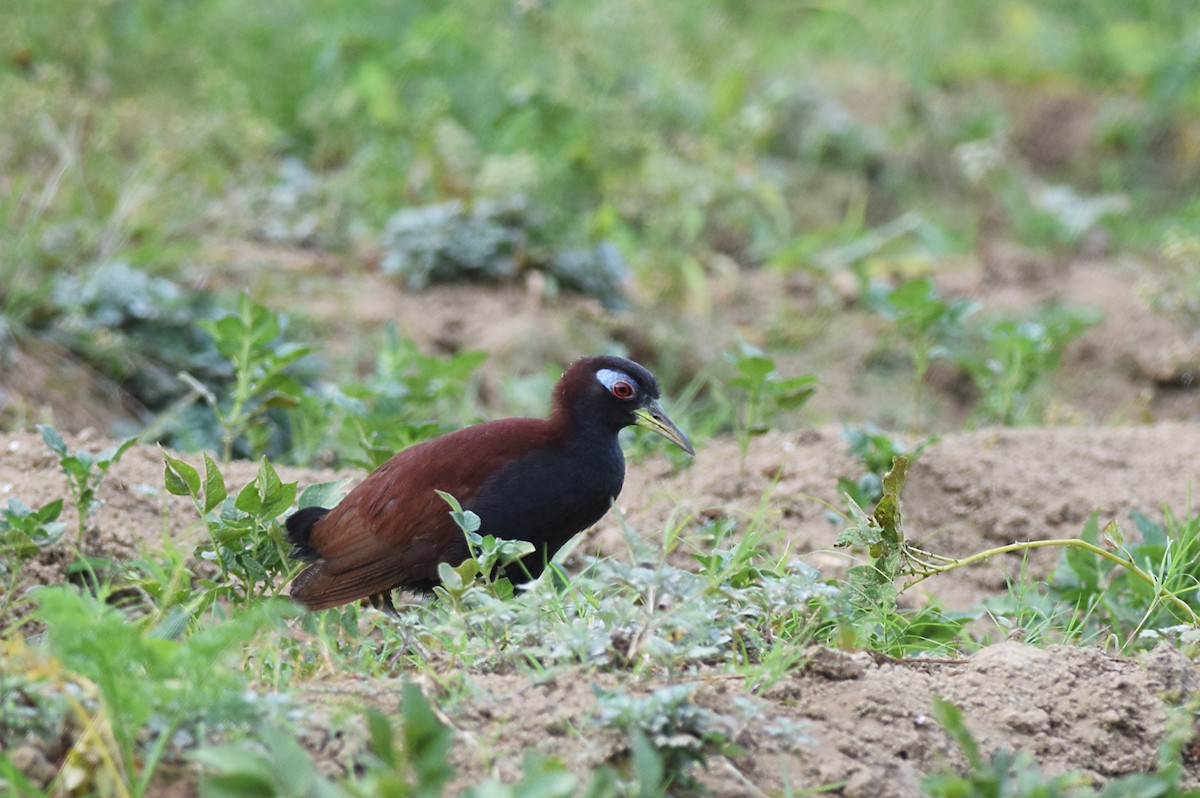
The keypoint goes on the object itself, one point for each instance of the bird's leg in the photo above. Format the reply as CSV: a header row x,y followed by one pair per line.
x,y
383,603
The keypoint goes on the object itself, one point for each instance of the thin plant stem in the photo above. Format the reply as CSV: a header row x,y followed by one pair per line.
x,y
1160,591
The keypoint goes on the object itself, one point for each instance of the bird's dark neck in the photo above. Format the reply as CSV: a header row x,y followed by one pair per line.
x,y
582,433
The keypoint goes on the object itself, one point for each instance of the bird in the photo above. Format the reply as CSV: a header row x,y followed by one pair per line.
x,y
542,480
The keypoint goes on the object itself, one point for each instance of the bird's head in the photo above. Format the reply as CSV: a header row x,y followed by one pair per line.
x,y
617,393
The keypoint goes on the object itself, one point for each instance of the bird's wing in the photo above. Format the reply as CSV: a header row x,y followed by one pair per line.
x,y
393,529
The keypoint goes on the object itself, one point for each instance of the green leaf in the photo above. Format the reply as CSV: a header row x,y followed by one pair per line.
x,y
870,589
466,520
47,512
951,719
249,501
649,770
381,738
887,512
449,577
323,494
111,455
1152,532
214,485
227,333
277,496
426,740
53,439
755,368
793,392
1086,566
179,478
1114,536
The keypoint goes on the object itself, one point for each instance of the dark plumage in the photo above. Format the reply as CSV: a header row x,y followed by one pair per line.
x,y
540,480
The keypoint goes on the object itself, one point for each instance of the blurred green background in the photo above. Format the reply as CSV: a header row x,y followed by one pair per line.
x,y
624,149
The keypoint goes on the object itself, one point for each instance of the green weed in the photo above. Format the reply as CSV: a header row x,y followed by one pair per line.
x,y
1002,775
876,450
1115,599
1130,587
139,330
133,693
489,557
24,532
1008,775
745,607
274,766
85,471
249,340
667,734
408,397
929,327
1016,356
760,393
245,538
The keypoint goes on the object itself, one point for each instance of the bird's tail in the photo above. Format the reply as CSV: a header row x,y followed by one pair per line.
x,y
299,532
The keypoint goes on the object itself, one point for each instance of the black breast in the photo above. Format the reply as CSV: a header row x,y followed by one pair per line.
x,y
549,496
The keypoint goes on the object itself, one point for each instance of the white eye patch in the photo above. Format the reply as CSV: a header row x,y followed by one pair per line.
x,y
608,378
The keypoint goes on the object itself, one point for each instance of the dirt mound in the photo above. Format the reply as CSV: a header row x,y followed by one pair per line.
x,y
842,719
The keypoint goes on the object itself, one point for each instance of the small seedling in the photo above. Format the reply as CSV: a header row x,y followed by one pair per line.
x,y
1008,775
85,471
409,397
668,734
1002,775
762,394
249,340
875,450
275,765
929,326
490,556
24,532
1015,357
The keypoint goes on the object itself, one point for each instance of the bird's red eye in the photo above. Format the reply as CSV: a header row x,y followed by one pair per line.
x,y
622,390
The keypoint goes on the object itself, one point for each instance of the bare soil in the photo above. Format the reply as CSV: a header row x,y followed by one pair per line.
x,y
1125,438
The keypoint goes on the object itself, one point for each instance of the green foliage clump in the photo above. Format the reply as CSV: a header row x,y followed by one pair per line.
x,y
882,534
277,766
1007,358
249,341
408,397
130,693
246,539
489,558
493,242
876,450
759,394
1015,356
24,533
85,471
929,326
743,608
137,329
1002,775
1125,589
1139,605
667,734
